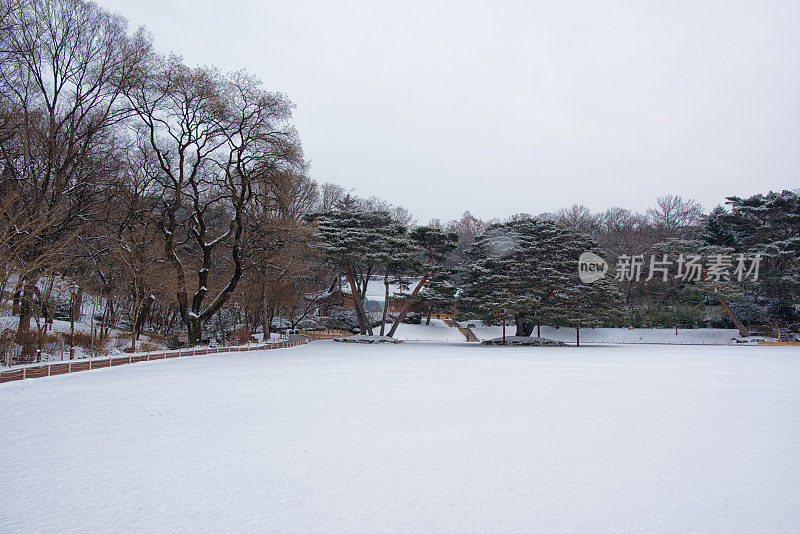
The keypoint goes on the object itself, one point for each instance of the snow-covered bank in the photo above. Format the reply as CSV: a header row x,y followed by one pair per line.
x,y
699,336
439,331
436,331
410,437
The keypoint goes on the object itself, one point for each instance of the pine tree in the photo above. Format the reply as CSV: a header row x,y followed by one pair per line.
x,y
398,255
437,296
716,231
430,247
360,242
528,269
769,225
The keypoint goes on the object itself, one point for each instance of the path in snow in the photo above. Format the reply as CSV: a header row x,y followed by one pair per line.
x,y
364,438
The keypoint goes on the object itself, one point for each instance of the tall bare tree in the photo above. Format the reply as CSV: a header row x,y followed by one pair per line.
x,y
63,66
212,140
676,217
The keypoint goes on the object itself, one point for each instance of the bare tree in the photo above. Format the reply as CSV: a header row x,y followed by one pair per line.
x,y
468,227
129,263
211,140
63,65
675,216
330,196
577,216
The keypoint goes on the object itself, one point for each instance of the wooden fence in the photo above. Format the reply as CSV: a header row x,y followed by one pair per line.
x,y
60,368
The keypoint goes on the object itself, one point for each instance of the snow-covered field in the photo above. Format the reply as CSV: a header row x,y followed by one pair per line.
x,y
413,437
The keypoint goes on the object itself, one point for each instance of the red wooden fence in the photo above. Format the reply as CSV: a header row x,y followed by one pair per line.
x,y
60,368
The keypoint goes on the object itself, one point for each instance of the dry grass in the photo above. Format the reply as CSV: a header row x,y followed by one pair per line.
x,y
241,336
84,340
149,347
13,343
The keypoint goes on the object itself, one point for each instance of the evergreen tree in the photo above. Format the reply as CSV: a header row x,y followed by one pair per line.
x,y
716,231
398,256
438,296
430,247
528,268
769,225
360,242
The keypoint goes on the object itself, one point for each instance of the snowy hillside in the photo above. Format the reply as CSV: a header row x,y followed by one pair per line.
x,y
412,437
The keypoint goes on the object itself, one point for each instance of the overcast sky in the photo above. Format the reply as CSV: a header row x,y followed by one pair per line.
x,y
504,107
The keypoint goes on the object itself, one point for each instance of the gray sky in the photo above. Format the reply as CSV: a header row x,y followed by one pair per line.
x,y
504,107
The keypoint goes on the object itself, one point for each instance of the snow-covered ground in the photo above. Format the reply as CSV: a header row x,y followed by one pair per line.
x,y
413,437
439,331
436,331
713,336
58,325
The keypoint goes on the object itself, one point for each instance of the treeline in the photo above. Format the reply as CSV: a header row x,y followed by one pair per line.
x,y
763,226
178,199
762,231
153,185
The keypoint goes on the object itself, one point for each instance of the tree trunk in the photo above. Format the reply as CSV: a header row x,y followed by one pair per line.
x,y
78,304
430,313
133,339
265,319
363,322
195,330
25,307
265,326
578,335
385,300
538,328
24,325
221,327
136,312
524,327
141,316
407,305
112,314
744,332
16,302
233,332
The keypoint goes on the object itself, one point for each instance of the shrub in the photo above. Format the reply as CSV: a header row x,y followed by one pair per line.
x,y
173,340
691,316
241,336
84,340
12,343
149,347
